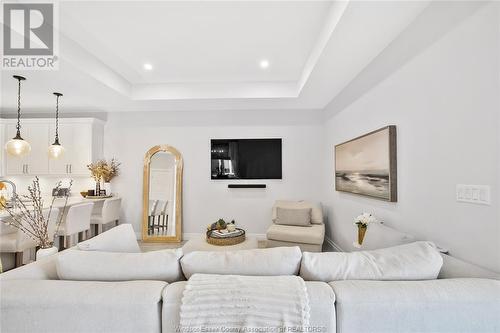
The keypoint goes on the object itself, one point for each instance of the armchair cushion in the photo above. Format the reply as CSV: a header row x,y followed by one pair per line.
x,y
300,217
286,233
316,211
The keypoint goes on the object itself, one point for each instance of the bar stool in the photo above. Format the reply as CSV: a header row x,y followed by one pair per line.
x,y
15,241
159,215
163,218
110,213
76,222
151,211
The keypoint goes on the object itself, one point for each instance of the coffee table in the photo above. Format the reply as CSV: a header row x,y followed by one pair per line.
x,y
199,243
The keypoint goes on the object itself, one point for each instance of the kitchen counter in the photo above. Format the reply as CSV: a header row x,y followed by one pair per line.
x,y
59,203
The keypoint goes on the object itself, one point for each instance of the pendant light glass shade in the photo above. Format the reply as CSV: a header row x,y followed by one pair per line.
x,y
56,150
17,146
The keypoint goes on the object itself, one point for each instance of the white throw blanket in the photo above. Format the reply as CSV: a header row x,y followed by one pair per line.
x,y
223,303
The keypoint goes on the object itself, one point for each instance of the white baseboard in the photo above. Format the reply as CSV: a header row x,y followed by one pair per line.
x,y
190,235
331,244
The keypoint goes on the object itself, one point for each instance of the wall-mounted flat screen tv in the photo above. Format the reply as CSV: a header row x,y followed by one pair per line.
x,y
246,159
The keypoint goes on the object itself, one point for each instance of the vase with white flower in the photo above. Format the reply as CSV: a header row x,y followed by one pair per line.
x,y
362,222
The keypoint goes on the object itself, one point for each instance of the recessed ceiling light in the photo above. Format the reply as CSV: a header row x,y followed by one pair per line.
x,y
264,63
148,67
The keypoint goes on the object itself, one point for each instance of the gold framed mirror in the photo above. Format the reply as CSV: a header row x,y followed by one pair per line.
x,y
162,195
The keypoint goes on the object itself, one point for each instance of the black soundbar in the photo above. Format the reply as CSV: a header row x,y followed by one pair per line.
x,y
246,185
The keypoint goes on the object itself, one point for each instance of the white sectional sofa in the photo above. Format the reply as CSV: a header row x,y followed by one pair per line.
x,y
33,299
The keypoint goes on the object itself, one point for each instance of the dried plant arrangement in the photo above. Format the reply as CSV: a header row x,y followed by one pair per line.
x,y
31,219
111,170
104,170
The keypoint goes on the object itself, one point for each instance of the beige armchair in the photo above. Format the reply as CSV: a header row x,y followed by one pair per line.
x,y
308,238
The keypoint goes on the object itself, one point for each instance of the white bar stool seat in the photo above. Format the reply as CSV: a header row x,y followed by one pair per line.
x,y
15,241
76,221
110,213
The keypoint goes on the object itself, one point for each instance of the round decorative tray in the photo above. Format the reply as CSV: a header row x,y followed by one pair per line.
x,y
219,241
98,196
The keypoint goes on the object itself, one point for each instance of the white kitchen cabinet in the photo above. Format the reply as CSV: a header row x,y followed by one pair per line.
x,y
2,145
76,138
80,137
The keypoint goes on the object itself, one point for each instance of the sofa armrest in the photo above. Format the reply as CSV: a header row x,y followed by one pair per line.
x,y
448,305
456,268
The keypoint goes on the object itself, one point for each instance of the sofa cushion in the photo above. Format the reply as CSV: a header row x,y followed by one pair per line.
x,y
170,311
416,261
379,236
450,305
162,265
121,238
300,217
321,304
316,210
286,233
80,306
275,261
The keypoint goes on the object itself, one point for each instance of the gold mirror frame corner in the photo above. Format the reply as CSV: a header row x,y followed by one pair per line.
x,y
178,195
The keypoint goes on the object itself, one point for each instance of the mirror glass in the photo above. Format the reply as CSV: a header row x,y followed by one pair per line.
x,y
163,174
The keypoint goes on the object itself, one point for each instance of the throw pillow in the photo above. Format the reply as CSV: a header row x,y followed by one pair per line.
x,y
293,216
265,262
316,210
118,239
415,261
160,265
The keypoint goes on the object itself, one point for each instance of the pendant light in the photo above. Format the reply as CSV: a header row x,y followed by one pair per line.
x,y
17,146
55,149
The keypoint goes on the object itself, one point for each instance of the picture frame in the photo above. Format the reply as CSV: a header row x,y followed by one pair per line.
x,y
367,165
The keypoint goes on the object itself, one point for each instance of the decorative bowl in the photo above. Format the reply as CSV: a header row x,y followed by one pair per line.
x,y
84,193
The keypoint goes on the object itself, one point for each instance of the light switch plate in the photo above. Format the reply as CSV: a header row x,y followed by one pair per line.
x,y
478,194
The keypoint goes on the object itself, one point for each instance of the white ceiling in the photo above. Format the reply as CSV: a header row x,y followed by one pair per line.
x,y
198,42
205,54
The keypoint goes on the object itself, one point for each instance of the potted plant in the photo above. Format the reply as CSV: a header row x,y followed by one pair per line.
x,y
362,222
29,215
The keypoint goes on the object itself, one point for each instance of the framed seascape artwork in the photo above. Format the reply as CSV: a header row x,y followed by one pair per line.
x,y
366,165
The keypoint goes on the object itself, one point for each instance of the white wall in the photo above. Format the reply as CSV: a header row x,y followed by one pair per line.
x,y
47,183
129,135
445,103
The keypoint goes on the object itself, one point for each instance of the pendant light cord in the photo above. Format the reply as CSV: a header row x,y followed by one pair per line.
x,y
57,118
18,126
57,94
